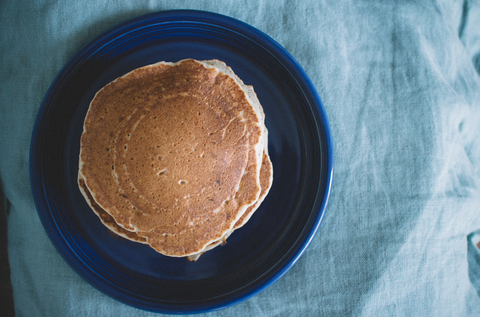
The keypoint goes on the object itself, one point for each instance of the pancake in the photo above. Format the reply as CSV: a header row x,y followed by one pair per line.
x,y
171,154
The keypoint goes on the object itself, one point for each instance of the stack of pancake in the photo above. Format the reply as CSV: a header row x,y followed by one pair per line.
x,y
174,155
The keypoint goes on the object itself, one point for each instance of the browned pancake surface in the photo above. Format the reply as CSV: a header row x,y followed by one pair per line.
x,y
164,152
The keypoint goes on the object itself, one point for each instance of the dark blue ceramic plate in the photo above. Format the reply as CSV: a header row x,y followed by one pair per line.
x,y
256,255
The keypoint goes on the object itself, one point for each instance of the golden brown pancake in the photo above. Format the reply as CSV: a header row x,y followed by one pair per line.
x,y
172,153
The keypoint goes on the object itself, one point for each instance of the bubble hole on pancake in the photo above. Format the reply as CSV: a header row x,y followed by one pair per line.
x,y
239,136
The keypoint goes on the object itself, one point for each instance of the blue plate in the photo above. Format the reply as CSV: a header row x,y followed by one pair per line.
x,y
256,255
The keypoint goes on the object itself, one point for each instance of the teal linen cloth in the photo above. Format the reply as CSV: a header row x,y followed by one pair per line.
x,y
401,87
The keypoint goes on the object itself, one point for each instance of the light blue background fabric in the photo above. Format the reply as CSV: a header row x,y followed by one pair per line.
x,y
401,88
